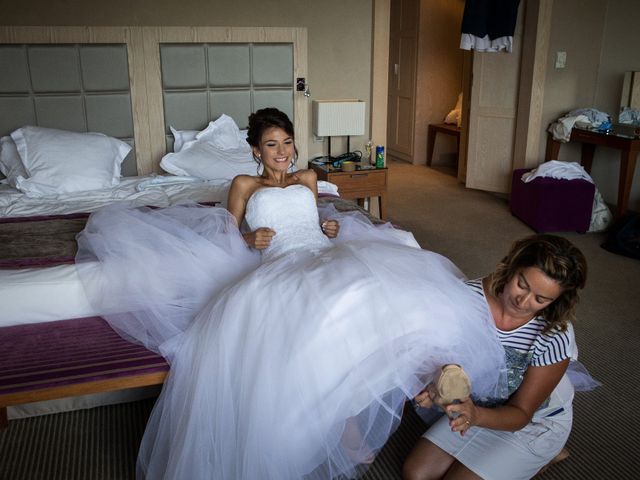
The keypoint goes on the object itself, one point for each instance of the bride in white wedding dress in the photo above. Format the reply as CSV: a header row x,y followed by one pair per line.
x,y
294,362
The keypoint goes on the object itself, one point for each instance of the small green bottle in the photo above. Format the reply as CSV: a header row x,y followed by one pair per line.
x,y
379,156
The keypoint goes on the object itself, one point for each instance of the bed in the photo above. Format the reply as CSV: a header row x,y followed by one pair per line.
x,y
104,114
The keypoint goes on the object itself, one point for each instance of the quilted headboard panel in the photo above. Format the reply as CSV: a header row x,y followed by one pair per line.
x,y
77,87
123,81
202,81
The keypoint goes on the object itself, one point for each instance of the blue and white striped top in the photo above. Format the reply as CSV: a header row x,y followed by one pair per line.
x,y
527,346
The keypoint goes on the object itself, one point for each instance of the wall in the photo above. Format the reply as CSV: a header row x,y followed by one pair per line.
x,y
339,32
439,71
599,38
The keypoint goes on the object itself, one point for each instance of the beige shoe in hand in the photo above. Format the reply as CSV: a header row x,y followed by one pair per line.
x,y
452,384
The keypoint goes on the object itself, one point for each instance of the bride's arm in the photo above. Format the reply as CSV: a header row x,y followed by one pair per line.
x,y
241,189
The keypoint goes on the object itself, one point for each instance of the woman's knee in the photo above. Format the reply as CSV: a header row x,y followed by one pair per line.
x,y
426,462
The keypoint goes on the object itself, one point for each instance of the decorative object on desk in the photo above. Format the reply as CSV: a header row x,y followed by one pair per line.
x,y
367,151
338,118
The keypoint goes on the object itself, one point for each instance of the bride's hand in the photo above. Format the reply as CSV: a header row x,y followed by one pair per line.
x,y
423,399
331,228
260,238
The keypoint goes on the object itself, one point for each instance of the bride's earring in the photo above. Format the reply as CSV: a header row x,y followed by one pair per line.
x,y
258,159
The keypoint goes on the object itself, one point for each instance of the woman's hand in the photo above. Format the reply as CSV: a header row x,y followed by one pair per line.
x,y
462,416
260,238
330,228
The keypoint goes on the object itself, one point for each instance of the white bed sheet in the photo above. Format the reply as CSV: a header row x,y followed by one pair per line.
x,y
154,190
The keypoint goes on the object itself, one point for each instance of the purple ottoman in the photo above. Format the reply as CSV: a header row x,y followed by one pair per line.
x,y
552,205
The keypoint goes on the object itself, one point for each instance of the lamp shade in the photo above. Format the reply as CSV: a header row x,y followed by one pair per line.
x,y
338,117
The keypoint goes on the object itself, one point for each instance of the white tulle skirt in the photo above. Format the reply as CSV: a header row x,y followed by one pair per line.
x,y
295,368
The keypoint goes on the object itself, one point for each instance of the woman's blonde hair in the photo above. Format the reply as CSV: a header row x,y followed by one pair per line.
x,y
560,260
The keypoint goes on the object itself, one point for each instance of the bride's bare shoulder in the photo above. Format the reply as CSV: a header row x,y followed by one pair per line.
x,y
242,186
306,177
244,182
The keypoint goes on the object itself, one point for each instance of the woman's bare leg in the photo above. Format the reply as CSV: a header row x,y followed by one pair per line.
x,y
427,461
459,472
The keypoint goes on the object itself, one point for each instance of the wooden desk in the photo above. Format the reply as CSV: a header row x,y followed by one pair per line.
x,y
359,184
629,148
445,128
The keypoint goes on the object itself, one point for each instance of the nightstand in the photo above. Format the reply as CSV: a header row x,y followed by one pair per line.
x,y
359,184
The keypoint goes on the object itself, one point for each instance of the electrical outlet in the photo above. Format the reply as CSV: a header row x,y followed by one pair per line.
x,y
317,139
561,59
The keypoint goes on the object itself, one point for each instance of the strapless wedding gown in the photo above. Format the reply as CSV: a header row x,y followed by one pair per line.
x,y
295,364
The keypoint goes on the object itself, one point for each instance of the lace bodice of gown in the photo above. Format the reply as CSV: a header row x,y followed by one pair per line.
x,y
292,213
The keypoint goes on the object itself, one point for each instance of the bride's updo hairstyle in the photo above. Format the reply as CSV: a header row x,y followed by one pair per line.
x,y
263,120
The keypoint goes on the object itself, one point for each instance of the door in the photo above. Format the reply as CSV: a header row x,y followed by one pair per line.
x,y
492,116
403,43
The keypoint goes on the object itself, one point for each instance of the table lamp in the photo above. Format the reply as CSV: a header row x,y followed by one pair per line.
x,y
338,118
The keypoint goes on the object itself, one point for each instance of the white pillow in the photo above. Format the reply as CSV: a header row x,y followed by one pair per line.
x,y
10,164
180,137
184,138
204,160
58,161
455,116
224,134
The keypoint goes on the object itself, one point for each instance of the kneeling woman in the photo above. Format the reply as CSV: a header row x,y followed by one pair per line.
x,y
532,297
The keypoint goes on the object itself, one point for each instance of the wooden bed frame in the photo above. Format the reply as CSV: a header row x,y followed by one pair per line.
x,y
53,360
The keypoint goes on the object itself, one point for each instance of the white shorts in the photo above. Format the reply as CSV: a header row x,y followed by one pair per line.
x,y
500,455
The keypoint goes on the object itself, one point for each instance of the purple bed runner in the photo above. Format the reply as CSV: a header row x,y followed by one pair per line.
x,y
42,241
53,354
